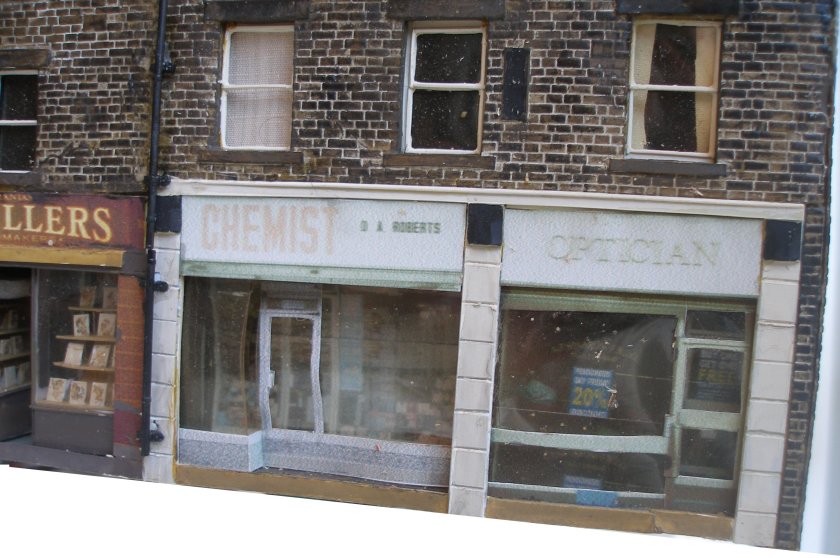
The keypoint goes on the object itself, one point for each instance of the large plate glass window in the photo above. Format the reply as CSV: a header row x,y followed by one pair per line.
x,y
444,99
619,403
18,121
256,98
353,381
674,89
77,345
15,360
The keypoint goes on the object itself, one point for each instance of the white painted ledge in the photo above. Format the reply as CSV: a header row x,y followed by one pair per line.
x,y
511,198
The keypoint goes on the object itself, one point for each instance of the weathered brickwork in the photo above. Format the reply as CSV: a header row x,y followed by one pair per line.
x,y
348,99
94,93
772,135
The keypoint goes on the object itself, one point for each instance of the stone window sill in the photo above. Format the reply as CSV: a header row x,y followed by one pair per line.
x,y
255,11
412,10
687,7
438,160
19,179
656,166
216,155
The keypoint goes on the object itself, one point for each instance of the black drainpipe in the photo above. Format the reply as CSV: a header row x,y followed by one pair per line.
x,y
153,181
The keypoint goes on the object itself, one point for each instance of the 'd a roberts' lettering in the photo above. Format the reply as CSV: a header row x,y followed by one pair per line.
x,y
634,251
56,220
252,228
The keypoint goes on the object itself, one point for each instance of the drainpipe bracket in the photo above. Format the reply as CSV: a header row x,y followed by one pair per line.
x,y
158,182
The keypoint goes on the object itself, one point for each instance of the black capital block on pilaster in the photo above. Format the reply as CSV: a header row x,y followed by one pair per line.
x,y
168,214
783,241
484,224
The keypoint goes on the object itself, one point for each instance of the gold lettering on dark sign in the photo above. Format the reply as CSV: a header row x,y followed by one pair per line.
x,y
52,224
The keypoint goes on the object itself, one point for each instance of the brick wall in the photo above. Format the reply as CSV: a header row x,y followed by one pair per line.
x,y
347,107
94,94
128,364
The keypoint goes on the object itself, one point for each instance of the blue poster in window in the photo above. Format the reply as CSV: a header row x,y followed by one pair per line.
x,y
600,498
590,393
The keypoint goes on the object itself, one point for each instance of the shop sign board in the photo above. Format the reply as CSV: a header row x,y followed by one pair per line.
x,y
632,252
71,221
324,233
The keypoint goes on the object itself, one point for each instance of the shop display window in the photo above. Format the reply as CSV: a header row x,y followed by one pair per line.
x,y
14,338
387,364
619,403
316,364
219,356
77,340
15,352
674,89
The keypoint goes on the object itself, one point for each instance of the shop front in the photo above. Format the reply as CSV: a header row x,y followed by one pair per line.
x,y
320,336
71,331
615,362
625,353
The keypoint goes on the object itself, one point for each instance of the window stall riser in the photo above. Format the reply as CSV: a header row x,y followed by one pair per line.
x,y
79,258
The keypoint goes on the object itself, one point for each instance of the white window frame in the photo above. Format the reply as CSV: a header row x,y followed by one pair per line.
x,y
9,123
714,89
411,85
227,86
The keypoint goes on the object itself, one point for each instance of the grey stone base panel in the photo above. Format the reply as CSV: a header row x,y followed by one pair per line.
x,y
376,460
231,452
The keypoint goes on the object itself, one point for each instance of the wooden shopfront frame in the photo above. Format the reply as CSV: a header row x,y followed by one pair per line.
x,y
82,234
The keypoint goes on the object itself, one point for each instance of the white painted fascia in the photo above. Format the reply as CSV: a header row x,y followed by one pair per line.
x,y
521,199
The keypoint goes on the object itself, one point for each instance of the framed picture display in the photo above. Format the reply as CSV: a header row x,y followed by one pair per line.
x,y
107,325
73,354
57,390
100,356
81,325
109,298
77,392
87,296
98,394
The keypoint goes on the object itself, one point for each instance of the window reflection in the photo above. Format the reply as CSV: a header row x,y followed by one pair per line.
x,y
385,360
388,363
585,372
219,365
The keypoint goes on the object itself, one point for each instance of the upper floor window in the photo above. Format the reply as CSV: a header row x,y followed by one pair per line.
x,y
674,89
18,121
444,99
256,99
